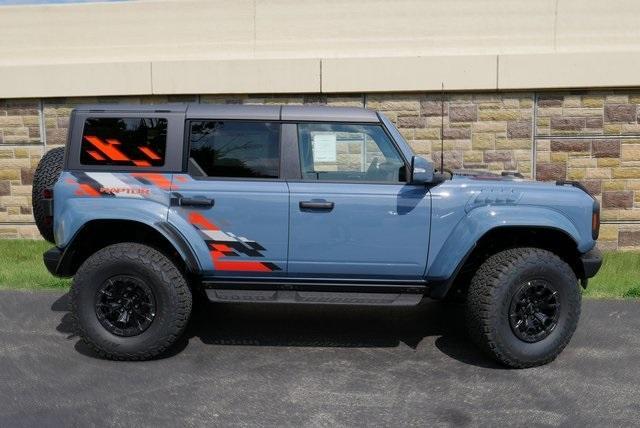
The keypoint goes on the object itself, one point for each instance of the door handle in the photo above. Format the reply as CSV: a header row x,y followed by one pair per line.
x,y
196,202
316,205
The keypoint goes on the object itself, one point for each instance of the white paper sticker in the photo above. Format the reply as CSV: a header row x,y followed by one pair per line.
x,y
324,147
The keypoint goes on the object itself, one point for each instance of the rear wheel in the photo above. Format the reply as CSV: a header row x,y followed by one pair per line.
x,y
130,302
523,306
45,176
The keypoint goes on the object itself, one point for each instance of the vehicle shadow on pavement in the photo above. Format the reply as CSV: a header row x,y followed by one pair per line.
x,y
318,326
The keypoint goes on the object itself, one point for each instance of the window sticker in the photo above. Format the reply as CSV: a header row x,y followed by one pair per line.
x,y
324,147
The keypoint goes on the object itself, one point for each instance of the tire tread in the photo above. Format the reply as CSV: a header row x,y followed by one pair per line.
x,y
161,265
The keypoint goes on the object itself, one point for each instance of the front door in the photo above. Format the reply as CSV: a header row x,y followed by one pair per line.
x,y
232,205
353,215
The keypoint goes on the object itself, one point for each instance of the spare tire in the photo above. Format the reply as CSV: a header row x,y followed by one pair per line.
x,y
45,176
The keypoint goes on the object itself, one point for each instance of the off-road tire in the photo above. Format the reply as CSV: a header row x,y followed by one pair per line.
x,y
491,292
45,176
170,289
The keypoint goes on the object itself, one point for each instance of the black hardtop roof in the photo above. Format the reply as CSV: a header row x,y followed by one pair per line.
x,y
243,111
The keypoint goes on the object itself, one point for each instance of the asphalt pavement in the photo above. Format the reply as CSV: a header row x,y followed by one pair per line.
x,y
273,365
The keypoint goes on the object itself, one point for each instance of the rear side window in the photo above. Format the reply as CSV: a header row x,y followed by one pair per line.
x,y
139,142
234,149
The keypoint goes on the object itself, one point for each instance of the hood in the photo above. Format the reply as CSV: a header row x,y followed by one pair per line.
x,y
486,175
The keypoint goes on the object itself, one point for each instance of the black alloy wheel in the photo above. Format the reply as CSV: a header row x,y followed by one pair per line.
x,y
125,305
534,311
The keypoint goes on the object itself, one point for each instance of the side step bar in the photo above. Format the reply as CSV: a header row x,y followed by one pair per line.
x,y
336,293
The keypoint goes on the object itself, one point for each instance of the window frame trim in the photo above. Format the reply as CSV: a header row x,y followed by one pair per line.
x,y
394,144
172,163
187,151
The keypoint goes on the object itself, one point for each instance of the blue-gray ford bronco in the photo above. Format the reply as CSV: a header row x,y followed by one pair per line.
x,y
153,206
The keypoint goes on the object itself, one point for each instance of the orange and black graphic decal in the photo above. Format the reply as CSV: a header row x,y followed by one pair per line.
x,y
136,185
224,245
110,151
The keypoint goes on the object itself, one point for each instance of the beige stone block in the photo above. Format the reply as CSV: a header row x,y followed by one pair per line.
x,y
408,134
386,102
489,126
525,168
28,232
543,145
9,174
617,99
581,112
576,173
546,112
427,133
475,156
558,157
337,101
526,102
624,172
630,128
629,214
421,146
13,201
613,185
598,173
513,143
499,114
544,157
510,102
582,162
522,155
608,215
21,190
10,121
13,163
608,232
572,101
21,152
483,141
630,164
612,128
633,184
608,162
593,101
630,152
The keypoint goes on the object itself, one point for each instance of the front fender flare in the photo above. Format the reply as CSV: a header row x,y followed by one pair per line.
x,y
444,266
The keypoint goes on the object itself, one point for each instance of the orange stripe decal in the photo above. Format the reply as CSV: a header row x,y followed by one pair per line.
x,y
95,155
107,148
242,266
86,190
158,179
201,221
141,163
150,153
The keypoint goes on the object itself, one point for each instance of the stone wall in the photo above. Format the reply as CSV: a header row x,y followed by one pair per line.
x,y
589,136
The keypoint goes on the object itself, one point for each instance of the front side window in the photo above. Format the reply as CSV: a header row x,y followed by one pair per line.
x,y
348,152
234,149
138,142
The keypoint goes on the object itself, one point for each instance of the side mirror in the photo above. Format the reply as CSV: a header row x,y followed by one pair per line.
x,y
421,171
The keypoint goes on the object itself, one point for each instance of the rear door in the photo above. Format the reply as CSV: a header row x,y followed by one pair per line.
x,y
232,204
352,213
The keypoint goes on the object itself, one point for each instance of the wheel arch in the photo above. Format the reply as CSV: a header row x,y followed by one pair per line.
x,y
99,233
501,238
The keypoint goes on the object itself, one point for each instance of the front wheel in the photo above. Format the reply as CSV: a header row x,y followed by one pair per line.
x,y
130,302
523,306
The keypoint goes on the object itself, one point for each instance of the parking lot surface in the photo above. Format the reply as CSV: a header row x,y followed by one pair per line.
x,y
248,365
